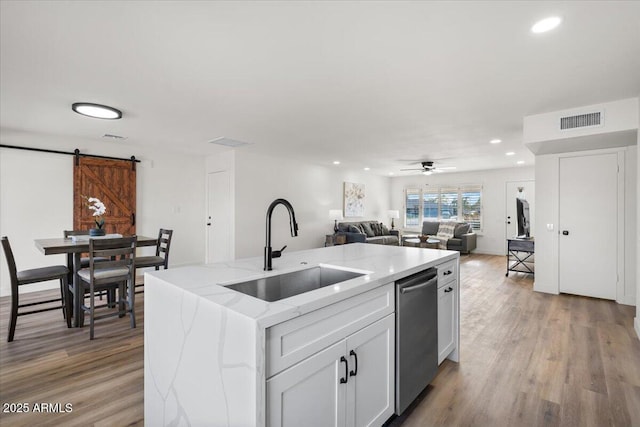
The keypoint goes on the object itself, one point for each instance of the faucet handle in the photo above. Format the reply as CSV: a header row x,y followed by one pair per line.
x,y
278,254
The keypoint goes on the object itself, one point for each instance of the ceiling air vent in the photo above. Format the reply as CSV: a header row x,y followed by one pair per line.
x,y
228,142
582,120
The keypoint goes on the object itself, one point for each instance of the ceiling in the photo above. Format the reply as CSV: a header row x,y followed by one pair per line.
x,y
372,84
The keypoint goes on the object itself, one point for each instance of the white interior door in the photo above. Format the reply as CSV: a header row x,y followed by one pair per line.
x,y
219,211
511,220
589,225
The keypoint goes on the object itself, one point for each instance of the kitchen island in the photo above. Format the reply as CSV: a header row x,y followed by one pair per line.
x,y
211,353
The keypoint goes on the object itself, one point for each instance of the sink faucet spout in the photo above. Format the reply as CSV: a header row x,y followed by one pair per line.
x,y
269,254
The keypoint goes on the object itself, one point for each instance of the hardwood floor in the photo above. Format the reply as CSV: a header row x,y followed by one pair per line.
x,y
530,359
526,359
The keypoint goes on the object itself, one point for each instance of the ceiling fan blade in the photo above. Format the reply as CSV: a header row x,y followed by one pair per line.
x,y
412,169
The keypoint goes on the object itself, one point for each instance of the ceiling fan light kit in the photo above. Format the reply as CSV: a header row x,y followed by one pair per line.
x,y
428,168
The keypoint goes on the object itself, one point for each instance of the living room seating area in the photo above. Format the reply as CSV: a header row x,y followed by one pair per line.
x,y
368,232
454,236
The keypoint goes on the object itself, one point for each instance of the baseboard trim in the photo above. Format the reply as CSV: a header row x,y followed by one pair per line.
x,y
545,289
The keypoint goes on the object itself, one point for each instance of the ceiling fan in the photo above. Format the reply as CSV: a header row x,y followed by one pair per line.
x,y
428,168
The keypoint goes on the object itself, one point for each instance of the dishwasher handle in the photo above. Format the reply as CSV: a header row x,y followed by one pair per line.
x,y
419,286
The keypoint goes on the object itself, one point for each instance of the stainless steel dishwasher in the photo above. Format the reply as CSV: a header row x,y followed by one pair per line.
x,y
416,335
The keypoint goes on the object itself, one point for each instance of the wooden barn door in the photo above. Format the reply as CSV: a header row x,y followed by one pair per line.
x,y
114,183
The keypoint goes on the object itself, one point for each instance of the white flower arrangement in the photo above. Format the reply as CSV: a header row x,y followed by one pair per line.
x,y
98,209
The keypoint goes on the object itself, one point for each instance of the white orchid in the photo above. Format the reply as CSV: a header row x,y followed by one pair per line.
x,y
98,209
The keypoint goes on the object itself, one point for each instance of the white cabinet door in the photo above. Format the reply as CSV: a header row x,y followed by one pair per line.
x,y
370,391
310,393
446,320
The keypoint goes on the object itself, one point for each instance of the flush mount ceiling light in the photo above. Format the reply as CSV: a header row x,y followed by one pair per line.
x,y
495,141
367,169
546,24
96,111
336,162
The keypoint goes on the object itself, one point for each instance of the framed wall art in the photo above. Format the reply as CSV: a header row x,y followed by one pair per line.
x,y
353,200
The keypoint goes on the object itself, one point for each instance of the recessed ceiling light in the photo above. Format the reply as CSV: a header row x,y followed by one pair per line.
x,y
510,153
367,169
546,24
336,162
520,162
96,111
495,141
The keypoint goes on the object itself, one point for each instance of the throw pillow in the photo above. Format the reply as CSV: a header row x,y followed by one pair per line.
x,y
353,229
446,229
385,230
430,228
376,229
461,228
367,229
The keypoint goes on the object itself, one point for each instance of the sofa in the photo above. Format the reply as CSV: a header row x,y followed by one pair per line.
x,y
368,232
463,240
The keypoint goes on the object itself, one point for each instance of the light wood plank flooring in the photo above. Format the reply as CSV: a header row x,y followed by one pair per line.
x,y
527,359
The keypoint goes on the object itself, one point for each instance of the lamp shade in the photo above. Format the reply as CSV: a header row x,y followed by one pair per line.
x,y
335,214
393,214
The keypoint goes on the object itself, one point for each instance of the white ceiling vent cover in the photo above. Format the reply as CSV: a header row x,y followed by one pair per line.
x,y
593,119
228,142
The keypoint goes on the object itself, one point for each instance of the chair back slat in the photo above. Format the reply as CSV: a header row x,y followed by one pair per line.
x,y
102,265
69,233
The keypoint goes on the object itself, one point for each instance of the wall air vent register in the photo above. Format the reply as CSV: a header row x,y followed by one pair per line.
x,y
593,119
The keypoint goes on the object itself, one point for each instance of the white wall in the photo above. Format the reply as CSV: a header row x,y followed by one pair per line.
x,y
492,238
312,190
36,194
547,212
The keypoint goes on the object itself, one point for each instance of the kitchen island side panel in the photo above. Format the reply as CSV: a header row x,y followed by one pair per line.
x,y
200,361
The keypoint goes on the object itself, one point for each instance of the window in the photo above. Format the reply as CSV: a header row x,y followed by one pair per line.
x,y
462,203
412,211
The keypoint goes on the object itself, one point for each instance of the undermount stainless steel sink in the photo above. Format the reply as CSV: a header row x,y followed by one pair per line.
x,y
286,285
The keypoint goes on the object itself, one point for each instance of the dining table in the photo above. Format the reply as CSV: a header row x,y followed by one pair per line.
x,y
74,247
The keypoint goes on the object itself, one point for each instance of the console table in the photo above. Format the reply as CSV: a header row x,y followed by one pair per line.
x,y
520,256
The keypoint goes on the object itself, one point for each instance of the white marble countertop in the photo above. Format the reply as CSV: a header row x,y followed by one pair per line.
x,y
382,264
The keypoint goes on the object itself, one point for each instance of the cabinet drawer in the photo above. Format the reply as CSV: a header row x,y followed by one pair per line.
x,y
447,272
292,341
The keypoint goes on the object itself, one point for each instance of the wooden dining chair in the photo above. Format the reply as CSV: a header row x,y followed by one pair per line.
x,y
161,258
84,261
35,275
117,272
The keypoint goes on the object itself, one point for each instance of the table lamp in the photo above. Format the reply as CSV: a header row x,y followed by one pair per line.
x,y
393,215
335,214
